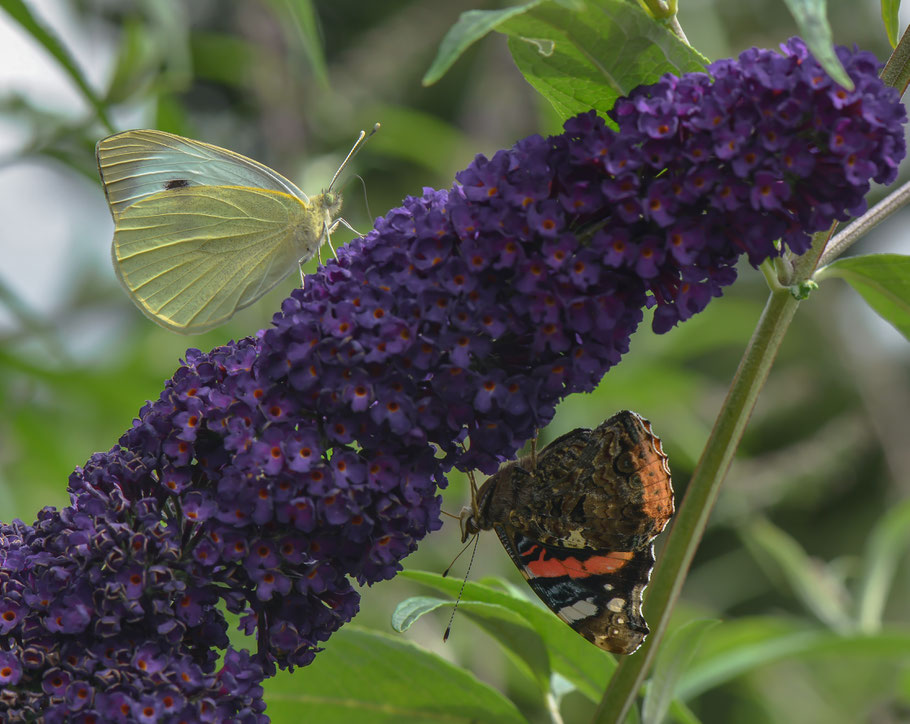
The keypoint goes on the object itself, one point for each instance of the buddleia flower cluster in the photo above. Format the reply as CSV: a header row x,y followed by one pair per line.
x,y
272,472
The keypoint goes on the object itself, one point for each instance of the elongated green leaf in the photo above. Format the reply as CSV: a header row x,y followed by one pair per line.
x,y
887,545
812,18
132,62
470,27
807,578
890,10
882,279
579,56
682,714
521,641
154,55
587,58
582,663
301,31
670,665
21,13
736,648
364,676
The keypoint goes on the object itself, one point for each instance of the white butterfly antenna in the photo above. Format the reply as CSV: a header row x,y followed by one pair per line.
x,y
358,144
327,230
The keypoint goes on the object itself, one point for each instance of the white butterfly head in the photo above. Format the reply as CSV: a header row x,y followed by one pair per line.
x,y
331,203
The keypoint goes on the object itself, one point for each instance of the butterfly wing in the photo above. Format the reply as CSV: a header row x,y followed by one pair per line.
x,y
606,489
200,231
189,257
137,164
598,593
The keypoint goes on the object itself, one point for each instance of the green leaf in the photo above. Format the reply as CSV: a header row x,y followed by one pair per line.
x,y
812,19
154,55
587,58
222,58
671,663
409,610
129,76
887,544
470,27
366,676
521,641
890,10
579,661
298,22
579,56
882,279
738,647
809,580
682,714
20,12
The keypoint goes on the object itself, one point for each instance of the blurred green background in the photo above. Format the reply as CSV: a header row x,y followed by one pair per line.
x,y
826,455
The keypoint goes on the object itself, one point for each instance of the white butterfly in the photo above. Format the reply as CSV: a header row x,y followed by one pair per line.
x,y
200,231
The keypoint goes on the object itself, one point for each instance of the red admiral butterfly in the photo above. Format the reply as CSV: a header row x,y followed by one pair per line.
x,y
579,524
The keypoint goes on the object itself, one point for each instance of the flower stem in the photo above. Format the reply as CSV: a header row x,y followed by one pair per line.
x,y
892,203
690,523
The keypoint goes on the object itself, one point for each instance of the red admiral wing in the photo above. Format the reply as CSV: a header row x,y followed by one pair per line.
x,y
607,489
579,524
598,593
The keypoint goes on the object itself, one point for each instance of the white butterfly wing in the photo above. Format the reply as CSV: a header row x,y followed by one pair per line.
x,y
190,257
138,164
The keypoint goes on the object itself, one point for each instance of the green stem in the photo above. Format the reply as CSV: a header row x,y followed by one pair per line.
x,y
769,269
690,522
887,207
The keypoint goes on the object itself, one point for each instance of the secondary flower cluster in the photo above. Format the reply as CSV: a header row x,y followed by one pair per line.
x,y
272,470
706,167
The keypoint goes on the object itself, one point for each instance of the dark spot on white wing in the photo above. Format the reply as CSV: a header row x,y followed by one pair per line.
x,y
176,183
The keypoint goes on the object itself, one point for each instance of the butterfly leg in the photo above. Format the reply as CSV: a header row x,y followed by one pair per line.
x,y
328,238
473,482
533,453
344,222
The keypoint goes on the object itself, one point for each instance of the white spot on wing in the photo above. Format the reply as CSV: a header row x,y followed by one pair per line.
x,y
616,604
578,610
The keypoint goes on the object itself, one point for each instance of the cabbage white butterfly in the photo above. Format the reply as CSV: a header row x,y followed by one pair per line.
x,y
200,231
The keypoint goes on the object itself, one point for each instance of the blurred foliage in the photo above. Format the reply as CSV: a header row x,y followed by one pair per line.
x,y
804,561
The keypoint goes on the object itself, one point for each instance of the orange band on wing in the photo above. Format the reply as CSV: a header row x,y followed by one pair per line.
x,y
552,567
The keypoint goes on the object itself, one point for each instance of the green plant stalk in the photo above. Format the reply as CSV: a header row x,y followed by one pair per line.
x,y
690,522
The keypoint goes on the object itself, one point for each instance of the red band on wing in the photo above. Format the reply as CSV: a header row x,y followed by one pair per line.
x,y
546,566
